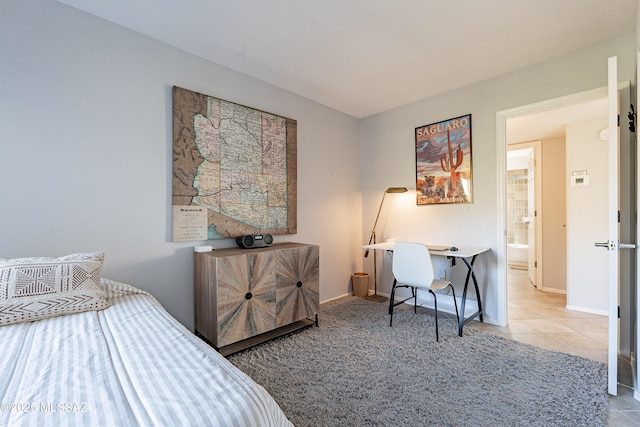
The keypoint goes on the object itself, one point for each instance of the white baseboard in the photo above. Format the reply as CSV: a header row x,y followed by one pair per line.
x,y
445,303
553,290
586,310
338,297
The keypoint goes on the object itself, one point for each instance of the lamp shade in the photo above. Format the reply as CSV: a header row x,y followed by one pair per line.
x,y
396,190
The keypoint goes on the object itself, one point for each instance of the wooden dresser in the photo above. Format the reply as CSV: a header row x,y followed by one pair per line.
x,y
247,296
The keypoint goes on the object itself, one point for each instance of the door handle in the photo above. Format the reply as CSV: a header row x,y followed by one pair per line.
x,y
614,246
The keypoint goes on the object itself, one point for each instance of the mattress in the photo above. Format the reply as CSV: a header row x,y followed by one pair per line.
x,y
131,364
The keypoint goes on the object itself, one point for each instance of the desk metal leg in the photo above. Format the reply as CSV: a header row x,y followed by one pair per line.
x,y
470,274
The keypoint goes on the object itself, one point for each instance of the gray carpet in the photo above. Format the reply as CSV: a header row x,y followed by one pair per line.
x,y
354,370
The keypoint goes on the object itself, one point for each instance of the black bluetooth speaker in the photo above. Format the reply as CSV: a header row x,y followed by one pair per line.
x,y
254,241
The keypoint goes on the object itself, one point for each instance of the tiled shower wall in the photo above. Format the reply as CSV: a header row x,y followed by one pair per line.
x,y
517,206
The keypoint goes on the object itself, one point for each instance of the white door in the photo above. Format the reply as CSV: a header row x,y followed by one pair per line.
x,y
532,217
613,243
614,233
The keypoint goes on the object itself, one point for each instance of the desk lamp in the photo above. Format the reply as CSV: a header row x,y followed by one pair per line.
x,y
375,296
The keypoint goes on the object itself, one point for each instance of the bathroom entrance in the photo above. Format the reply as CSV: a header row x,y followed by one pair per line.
x,y
524,223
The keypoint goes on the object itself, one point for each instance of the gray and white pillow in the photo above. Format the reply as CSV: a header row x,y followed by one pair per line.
x,y
38,288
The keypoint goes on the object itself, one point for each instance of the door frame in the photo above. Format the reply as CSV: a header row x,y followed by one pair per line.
x,y
501,153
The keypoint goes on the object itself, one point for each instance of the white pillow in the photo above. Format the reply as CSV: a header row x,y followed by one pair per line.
x,y
37,288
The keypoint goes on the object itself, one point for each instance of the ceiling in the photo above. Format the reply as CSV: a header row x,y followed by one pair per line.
x,y
552,123
363,57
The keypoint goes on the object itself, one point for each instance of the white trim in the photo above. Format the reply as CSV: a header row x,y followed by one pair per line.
x,y
555,291
501,191
348,294
445,303
587,310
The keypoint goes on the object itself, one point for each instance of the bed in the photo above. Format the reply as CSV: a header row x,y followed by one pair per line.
x,y
124,361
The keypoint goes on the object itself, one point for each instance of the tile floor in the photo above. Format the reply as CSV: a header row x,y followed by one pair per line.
x,y
539,318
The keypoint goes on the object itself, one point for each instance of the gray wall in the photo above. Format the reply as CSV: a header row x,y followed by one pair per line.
x,y
85,146
389,156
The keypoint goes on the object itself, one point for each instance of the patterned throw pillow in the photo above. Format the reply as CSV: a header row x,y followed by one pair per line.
x,y
37,288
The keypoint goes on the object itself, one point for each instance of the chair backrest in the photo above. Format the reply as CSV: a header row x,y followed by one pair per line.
x,y
412,264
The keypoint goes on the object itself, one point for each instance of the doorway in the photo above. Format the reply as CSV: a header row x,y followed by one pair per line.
x,y
627,200
502,117
542,318
524,208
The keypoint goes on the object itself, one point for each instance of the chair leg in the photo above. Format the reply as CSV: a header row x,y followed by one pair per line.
x,y
392,298
391,301
455,303
414,292
435,306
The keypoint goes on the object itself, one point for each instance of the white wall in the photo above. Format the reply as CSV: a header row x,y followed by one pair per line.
x,y
388,154
587,217
518,158
85,145
554,230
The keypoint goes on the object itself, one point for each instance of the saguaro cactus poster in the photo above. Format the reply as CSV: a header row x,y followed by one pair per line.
x,y
443,162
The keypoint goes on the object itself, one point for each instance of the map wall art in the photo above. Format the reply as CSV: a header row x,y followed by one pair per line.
x,y
234,169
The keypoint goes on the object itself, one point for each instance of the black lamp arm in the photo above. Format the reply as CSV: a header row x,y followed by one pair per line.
x,y
375,224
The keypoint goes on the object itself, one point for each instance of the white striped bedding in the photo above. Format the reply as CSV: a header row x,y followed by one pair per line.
x,y
131,364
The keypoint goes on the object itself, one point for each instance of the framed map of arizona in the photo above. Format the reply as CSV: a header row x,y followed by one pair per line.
x,y
234,169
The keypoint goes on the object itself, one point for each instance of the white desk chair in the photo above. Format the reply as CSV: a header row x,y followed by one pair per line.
x,y
412,268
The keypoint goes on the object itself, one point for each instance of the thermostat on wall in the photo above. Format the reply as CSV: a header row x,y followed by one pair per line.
x,y
579,178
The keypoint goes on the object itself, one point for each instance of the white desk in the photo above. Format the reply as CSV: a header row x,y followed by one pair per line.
x,y
468,255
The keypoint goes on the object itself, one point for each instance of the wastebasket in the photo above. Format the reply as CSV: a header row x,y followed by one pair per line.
x,y
360,283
